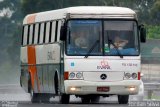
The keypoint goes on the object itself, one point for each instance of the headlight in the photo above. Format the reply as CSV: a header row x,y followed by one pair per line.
x,y
75,75
79,75
134,75
71,75
127,75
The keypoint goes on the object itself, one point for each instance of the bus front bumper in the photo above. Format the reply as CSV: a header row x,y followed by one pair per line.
x,y
81,87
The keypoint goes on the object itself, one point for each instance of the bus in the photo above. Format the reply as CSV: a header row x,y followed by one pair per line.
x,y
73,51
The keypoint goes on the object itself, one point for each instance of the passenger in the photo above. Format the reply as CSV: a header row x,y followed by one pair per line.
x,y
78,42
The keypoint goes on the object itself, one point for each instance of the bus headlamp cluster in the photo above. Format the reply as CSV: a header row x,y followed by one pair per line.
x,y
72,75
134,75
127,75
75,75
130,75
79,75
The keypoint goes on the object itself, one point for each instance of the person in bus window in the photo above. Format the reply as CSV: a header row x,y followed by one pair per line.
x,y
78,42
81,40
119,42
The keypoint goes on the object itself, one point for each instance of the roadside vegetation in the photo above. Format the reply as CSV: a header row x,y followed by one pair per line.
x,y
12,13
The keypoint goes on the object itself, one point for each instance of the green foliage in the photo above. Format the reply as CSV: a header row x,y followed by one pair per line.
x,y
142,7
33,6
148,13
155,13
153,32
9,31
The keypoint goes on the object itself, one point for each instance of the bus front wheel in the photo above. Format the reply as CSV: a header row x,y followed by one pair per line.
x,y
95,99
123,99
64,99
85,100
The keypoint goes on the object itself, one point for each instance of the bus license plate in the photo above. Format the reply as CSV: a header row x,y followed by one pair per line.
x,y
102,89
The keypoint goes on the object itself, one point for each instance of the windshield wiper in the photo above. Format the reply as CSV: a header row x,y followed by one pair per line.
x,y
91,49
118,52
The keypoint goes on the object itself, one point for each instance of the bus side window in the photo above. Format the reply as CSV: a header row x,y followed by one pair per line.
x,y
50,32
36,33
53,31
44,33
22,36
39,28
25,33
47,32
33,33
30,34
58,30
41,33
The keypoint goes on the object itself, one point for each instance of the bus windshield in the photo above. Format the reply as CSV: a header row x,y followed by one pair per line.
x,y
102,37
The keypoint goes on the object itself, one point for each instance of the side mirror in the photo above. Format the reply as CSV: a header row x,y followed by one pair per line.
x,y
63,33
142,33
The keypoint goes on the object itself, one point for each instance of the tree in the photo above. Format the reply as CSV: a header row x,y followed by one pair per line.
x,y
33,6
9,19
155,13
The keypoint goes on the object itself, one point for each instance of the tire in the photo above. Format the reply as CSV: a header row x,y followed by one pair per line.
x,y
44,98
20,81
95,99
85,99
64,99
56,83
39,98
34,97
123,99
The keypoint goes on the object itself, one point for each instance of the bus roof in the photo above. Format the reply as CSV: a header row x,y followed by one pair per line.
x,y
81,12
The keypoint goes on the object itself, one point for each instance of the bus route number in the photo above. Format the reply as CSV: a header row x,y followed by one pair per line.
x,y
50,55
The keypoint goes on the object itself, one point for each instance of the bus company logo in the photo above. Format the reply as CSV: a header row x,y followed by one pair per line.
x,y
103,65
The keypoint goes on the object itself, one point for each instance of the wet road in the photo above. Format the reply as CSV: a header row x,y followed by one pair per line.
x,y
71,105
12,95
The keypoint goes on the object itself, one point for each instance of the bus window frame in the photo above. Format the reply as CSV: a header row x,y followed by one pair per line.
x,y
106,19
30,34
36,31
41,33
25,34
47,33
51,32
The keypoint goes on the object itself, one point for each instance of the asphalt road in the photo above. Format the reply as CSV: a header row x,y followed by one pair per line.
x,y
71,105
14,96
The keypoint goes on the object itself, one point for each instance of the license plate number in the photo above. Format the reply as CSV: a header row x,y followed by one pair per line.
x,y
103,89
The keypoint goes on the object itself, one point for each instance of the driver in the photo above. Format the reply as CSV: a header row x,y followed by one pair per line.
x,y
119,42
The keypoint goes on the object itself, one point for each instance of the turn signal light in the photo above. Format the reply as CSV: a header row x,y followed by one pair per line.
x,y
66,75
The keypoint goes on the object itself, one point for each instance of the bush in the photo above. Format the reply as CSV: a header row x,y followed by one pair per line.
x,y
153,32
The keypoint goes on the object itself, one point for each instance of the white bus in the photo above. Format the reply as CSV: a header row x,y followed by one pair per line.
x,y
86,51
